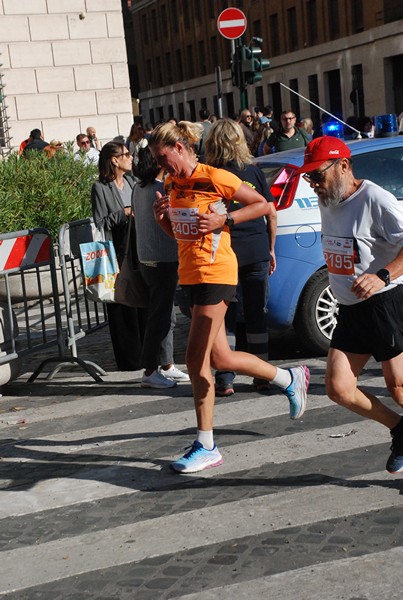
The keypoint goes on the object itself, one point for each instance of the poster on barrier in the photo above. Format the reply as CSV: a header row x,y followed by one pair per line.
x,y
100,269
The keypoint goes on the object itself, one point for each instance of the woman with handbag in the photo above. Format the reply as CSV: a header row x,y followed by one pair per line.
x,y
111,199
158,256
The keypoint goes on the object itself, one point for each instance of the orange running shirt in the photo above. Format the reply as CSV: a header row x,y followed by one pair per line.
x,y
205,258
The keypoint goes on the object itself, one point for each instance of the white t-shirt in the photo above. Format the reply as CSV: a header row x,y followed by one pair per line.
x,y
92,156
360,235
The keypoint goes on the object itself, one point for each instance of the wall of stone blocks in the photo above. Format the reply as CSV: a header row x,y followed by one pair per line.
x,y
64,66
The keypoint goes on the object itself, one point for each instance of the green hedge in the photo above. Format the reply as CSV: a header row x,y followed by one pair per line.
x,y
37,191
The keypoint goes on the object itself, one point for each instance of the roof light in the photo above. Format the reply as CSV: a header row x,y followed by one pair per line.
x,y
386,126
333,128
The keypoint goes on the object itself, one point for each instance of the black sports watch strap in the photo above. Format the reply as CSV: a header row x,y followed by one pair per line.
x,y
229,221
384,275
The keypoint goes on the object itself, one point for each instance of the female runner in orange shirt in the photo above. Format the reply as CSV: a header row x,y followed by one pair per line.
x,y
194,211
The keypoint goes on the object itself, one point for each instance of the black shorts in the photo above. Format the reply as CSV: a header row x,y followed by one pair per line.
x,y
204,294
374,326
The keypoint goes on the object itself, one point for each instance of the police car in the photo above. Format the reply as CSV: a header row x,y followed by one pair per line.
x,y
300,295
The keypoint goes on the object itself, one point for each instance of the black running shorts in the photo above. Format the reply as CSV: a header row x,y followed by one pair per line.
x,y
374,326
204,294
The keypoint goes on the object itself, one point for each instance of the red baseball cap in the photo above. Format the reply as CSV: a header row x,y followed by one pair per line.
x,y
322,149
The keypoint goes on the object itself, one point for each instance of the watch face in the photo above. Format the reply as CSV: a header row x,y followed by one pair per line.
x,y
384,275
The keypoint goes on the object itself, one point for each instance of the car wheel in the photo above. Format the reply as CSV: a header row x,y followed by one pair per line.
x,y
316,315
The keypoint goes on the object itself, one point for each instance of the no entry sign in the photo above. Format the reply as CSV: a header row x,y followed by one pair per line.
x,y
231,23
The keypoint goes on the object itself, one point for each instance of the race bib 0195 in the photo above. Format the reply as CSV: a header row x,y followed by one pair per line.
x,y
339,254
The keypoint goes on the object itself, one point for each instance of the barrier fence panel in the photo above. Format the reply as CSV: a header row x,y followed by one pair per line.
x,y
28,291
83,316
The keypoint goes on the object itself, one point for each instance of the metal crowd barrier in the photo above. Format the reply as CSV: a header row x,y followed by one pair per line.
x,y
83,316
32,311
44,305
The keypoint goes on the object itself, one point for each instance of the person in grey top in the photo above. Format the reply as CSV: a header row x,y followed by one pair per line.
x,y
158,256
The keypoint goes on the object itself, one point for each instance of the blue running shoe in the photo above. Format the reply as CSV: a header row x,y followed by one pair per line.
x,y
297,391
197,459
395,460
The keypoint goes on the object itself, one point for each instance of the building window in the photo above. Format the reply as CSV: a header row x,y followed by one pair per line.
x,y
186,13
179,65
292,29
144,26
357,16
274,35
203,103
192,109
168,67
149,73
181,111
164,19
312,22
158,70
314,97
174,12
171,114
189,54
154,25
334,20
294,99
151,113
257,28
160,113
198,12
357,91
259,97
202,58
214,51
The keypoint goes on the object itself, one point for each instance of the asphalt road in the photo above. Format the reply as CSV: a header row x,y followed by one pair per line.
x,y
89,508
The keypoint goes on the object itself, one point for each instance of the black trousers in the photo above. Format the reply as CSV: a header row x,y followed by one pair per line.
x,y
126,326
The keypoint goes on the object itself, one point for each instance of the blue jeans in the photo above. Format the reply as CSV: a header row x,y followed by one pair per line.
x,y
253,284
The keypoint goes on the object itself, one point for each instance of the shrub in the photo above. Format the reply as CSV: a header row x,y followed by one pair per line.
x,y
37,191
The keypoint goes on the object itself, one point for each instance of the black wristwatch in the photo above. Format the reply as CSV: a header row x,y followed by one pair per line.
x,y
384,275
229,221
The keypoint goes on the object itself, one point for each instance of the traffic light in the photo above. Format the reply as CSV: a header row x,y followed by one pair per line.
x,y
252,63
238,79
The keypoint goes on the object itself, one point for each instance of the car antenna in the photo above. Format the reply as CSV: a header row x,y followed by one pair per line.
x,y
359,136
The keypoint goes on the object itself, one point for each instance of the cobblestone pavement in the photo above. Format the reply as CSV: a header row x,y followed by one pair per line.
x,y
90,510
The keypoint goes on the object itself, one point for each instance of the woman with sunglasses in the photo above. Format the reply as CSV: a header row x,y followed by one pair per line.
x,y
111,199
194,211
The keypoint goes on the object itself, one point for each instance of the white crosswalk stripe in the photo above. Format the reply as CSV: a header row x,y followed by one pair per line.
x,y
89,492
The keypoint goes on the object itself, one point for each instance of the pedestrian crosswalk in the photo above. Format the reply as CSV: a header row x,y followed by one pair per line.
x,y
90,509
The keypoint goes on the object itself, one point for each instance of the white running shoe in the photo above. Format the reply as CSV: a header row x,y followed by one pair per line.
x,y
157,381
197,459
174,373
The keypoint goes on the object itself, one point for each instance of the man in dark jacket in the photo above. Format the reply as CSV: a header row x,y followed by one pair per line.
x,y
288,136
37,142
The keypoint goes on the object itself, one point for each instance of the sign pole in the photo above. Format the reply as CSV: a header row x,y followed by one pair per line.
x,y
232,24
219,91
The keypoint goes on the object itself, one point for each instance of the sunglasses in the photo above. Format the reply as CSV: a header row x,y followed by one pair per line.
x,y
85,142
318,176
126,154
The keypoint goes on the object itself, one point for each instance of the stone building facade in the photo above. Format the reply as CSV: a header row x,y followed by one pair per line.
x,y
64,68
344,55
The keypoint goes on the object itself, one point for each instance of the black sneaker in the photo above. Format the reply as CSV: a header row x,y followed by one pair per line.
x,y
395,460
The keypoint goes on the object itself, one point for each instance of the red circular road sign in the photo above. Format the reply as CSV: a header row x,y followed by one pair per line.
x,y
231,23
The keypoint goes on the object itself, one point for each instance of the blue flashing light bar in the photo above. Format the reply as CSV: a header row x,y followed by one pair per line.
x,y
333,128
386,126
